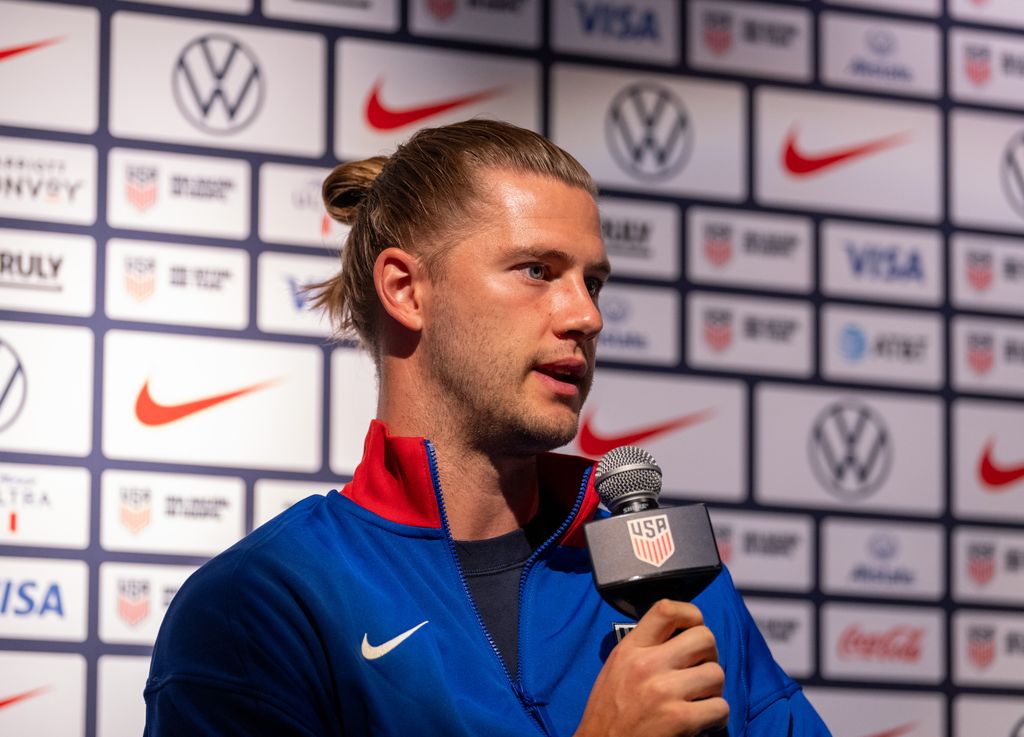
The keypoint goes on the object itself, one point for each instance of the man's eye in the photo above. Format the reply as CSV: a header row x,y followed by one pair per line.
x,y
535,271
594,287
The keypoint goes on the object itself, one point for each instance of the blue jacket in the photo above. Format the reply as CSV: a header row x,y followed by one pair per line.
x,y
283,633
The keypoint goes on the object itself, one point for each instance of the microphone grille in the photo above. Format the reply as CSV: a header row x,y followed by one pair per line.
x,y
627,471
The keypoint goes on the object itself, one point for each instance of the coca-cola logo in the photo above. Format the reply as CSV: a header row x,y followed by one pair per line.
x,y
900,644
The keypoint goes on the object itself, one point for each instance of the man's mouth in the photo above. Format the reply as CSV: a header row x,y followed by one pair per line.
x,y
569,371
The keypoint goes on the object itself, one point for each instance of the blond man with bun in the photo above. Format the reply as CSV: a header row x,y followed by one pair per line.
x,y
445,590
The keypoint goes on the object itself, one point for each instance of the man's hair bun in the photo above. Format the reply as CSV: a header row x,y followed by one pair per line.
x,y
346,187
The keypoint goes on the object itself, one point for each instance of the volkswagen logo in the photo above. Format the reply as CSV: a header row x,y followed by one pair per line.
x,y
850,450
13,389
1012,172
217,84
648,131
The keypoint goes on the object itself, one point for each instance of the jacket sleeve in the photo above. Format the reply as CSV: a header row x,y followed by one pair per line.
x,y
775,705
196,708
236,655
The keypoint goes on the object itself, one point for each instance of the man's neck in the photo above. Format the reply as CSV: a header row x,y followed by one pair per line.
x,y
486,494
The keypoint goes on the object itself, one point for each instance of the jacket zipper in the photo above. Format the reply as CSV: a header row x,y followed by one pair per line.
x,y
529,707
536,708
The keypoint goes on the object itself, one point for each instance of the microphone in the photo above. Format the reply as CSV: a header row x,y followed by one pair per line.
x,y
643,553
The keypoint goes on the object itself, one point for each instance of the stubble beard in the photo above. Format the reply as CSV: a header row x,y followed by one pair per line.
x,y
480,393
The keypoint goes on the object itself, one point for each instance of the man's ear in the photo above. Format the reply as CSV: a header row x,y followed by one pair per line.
x,y
401,280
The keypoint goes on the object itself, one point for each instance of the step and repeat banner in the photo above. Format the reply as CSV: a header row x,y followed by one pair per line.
x,y
815,213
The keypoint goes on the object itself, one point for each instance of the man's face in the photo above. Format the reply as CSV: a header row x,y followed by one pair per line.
x,y
511,326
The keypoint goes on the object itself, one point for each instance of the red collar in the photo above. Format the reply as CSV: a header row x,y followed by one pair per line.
x,y
393,481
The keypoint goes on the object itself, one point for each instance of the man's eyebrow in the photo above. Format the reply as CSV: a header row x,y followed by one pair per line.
x,y
602,268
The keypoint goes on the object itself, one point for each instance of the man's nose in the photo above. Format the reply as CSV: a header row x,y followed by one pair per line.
x,y
579,315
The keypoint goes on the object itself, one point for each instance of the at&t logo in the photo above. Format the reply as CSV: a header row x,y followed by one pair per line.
x,y
850,450
649,131
217,84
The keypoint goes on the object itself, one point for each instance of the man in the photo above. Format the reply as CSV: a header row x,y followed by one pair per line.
x,y
445,589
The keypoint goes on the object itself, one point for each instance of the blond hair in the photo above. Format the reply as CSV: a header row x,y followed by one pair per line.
x,y
419,199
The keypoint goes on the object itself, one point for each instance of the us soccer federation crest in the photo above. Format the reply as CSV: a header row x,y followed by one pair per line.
x,y
140,187
979,270
981,646
717,31
132,600
717,243
652,539
718,329
980,352
978,64
981,562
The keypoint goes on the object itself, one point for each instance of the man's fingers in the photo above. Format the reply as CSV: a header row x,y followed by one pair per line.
x,y
662,620
705,716
691,647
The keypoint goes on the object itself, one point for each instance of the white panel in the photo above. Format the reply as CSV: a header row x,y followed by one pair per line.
x,y
216,84
696,428
505,23
47,404
48,181
743,248
50,70
751,39
652,132
175,513
174,193
644,30
850,450
766,551
770,336
882,346
641,325
44,694
176,284
387,91
845,154
883,643
53,273
45,506
44,599
211,401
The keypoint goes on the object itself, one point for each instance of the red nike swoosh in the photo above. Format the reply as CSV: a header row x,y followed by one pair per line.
x,y
895,731
801,165
152,413
386,118
15,50
11,700
995,476
594,445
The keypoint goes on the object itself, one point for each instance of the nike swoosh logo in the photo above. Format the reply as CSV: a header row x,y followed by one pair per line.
x,y
152,413
372,652
11,700
997,478
595,445
385,118
802,165
18,50
895,731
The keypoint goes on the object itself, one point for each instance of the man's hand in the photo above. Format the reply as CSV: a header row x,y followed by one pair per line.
x,y
657,685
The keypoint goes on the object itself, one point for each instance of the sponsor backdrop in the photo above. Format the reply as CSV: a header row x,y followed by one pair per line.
x,y
815,211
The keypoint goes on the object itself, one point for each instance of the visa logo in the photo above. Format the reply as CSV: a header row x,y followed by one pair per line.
x,y
884,263
28,598
298,292
621,22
